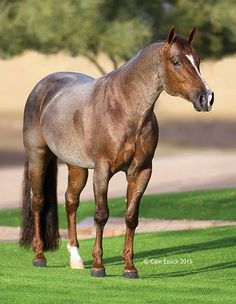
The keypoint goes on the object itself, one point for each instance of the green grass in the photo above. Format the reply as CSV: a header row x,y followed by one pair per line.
x,y
210,278
202,205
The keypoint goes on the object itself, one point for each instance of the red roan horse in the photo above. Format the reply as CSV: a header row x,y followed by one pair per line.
x,y
106,124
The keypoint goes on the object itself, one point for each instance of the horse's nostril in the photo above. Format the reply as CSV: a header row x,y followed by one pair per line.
x,y
212,99
202,99
206,100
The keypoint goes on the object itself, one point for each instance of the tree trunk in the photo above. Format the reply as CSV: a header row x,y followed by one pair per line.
x,y
95,62
115,63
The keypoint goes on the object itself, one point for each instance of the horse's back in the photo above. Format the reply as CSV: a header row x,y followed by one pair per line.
x,y
50,85
64,77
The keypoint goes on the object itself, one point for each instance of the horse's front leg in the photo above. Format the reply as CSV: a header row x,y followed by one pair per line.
x,y
137,183
76,182
100,184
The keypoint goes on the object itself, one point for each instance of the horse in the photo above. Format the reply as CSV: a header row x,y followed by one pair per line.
x,y
106,124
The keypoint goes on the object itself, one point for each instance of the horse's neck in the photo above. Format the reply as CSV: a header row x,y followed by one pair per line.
x,y
140,82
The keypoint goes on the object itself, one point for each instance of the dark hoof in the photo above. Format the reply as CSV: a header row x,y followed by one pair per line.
x,y
98,272
130,275
39,263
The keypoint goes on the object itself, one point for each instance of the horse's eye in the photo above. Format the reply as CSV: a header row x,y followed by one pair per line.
x,y
176,62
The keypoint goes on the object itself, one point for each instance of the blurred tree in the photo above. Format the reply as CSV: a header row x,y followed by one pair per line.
x,y
116,28
75,26
215,21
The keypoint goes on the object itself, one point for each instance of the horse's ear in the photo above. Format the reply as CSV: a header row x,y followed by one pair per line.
x,y
192,35
171,35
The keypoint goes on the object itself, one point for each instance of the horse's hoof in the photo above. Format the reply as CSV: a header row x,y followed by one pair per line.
x,y
98,272
77,265
130,274
39,263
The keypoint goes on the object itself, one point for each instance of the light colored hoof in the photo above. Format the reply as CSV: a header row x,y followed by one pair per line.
x,y
77,265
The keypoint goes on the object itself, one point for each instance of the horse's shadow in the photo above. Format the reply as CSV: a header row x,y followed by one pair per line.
x,y
170,251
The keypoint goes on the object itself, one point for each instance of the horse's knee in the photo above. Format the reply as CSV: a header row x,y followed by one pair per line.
x,y
101,216
131,219
72,202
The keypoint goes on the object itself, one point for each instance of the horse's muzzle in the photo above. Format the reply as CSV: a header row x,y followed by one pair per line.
x,y
205,101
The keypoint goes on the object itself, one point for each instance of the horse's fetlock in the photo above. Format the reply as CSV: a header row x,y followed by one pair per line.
x,y
97,252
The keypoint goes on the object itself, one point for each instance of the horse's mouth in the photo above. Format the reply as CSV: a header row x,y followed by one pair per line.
x,y
200,108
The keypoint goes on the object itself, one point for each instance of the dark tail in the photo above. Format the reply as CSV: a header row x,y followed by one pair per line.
x,y
49,216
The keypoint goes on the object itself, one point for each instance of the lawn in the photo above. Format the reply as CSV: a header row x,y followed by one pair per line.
x,y
201,205
197,266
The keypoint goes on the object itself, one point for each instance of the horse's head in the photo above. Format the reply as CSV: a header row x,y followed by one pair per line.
x,y
181,74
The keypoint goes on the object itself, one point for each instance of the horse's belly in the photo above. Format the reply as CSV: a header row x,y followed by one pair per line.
x,y
67,145
72,156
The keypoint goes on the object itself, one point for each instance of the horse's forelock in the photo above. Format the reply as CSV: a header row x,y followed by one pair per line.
x,y
183,45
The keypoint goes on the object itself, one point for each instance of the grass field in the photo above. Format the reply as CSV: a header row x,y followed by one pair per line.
x,y
195,266
202,205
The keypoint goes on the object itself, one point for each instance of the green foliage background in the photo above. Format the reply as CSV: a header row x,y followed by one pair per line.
x,y
117,28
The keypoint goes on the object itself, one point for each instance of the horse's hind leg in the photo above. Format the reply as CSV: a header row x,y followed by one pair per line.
x,y
76,182
38,162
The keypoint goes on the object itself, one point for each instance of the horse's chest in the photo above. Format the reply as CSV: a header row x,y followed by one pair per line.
x,y
131,154
123,158
138,150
